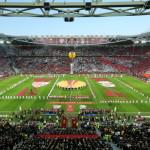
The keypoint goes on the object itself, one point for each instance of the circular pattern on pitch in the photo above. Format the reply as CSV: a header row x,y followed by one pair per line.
x,y
71,84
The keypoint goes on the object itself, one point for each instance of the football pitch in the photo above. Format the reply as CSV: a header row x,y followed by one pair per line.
x,y
123,93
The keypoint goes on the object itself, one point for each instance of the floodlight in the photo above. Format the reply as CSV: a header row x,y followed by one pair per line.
x,y
46,6
68,19
147,4
88,6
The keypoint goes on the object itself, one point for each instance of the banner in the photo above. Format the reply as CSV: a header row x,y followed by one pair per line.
x,y
74,122
64,122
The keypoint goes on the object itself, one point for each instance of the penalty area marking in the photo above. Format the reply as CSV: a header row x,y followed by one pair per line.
x,y
90,88
53,86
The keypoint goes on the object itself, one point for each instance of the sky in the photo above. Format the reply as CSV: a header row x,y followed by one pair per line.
x,y
80,26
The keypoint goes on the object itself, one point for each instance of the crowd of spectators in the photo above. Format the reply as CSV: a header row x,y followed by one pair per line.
x,y
125,131
132,136
89,60
104,130
42,65
5,68
64,144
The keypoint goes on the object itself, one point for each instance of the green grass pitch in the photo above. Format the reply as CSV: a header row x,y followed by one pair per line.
x,y
135,93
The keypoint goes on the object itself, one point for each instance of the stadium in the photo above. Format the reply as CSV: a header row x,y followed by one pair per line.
x,y
74,92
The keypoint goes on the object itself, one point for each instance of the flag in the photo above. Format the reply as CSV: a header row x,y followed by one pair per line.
x,y
64,122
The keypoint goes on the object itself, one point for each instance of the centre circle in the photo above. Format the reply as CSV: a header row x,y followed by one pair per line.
x,y
71,84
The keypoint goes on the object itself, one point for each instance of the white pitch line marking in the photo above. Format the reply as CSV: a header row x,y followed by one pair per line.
x,y
90,88
53,87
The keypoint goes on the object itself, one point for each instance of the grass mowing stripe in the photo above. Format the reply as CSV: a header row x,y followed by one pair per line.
x,y
131,88
98,88
137,84
9,82
99,91
128,94
16,90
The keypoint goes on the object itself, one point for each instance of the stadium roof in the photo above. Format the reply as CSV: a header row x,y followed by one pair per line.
x,y
70,9
75,40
